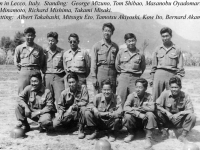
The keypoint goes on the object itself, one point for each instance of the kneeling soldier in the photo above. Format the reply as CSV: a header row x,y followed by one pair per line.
x,y
35,102
139,108
71,105
105,112
175,109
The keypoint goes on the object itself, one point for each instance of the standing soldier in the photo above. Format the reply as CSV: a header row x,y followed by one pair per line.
x,y
76,60
54,70
103,57
130,63
29,58
167,62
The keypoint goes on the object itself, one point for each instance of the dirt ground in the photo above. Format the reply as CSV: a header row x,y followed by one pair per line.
x,y
68,140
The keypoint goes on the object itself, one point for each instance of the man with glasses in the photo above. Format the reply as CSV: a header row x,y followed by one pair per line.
x,y
103,56
130,64
76,60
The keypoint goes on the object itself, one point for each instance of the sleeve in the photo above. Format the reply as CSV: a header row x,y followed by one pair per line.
x,y
117,62
154,63
49,104
149,106
23,98
87,63
17,59
188,104
42,60
84,97
45,62
61,102
143,63
119,110
128,108
180,71
94,61
161,100
64,64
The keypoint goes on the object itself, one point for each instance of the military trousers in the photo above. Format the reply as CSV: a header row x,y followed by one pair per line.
x,y
161,82
72,117
126,85
187,121
102,123
45,119
24,77
104,73
133,123
55,83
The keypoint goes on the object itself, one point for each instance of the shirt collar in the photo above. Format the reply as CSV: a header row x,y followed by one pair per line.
x,y
136,96
79,87
173,46
24,45
103,99
57,50
181,94
42,88
137,50
71,51
103,43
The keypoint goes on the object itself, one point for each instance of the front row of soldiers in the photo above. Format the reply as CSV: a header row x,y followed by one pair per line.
x,y
173,109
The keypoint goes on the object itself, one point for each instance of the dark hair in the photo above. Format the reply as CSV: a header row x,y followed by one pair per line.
x,y
176,80
72,75
74,35
53,35
166,29
29,30
109,25
143,81
107,82
129,36
37,75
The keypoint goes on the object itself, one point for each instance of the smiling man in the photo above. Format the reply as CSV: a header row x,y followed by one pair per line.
x,y
167,62
130,64
35,102
175,109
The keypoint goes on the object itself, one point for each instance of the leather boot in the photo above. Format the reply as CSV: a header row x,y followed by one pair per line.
x,y
112,136
130,136
81,134
94,133
182,137
24,125
148,141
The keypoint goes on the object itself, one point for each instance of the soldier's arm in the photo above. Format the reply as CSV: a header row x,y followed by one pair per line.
x,y
180,71
154,64
42,61
61,102
149,106
49,104
119,109
94,61
117,62
143,63
87,63
84,97
64,64
188,106
17,59
23,98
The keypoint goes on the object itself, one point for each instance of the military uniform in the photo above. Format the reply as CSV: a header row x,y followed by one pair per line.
x,y
95,119
77,62
54,72
28,60
185,120
165,64
130,67
40,100
67,99
103,63
133,107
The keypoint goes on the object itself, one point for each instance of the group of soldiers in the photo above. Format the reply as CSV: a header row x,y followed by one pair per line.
x,y
53,80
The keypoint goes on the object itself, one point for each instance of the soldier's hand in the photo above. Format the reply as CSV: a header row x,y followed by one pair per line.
x,y
175,116
142,116
27,112
35,114
103,114
74,107
95,82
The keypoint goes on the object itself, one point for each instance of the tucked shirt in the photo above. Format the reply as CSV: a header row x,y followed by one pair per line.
x,y
26,56
69,98
127,62
170,59
181,103
54,61
37,100
103,54
133,102
78,61
113,106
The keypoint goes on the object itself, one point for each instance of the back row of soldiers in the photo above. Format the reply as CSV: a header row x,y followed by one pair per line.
x,y
64,77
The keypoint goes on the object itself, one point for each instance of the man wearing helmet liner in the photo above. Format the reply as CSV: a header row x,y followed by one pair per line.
x,y
103,56
35,102
175,109
71,105
167,61
130,65
139,112
105,112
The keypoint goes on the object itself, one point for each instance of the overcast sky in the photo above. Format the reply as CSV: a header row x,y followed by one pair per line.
x,y
189,29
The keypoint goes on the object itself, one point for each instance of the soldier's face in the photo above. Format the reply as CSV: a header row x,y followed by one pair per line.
x,y
73,43
107,91
35,83
175,89
29,37
52,42
131,43
107,33
72,84
166,38
140,89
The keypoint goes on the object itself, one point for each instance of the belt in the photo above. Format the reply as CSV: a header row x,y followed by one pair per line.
x,y
30,68
107,66
130,74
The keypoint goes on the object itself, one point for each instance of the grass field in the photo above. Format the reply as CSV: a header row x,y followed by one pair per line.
x,y
69,140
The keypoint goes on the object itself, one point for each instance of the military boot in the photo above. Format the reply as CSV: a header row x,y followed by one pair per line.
x,y
148,141
130,136
94,133
81,134
24,125
112,136
182,137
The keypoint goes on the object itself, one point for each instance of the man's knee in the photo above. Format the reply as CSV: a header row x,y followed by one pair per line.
x,y
45,119
150,115
191,117
88,114
127,117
